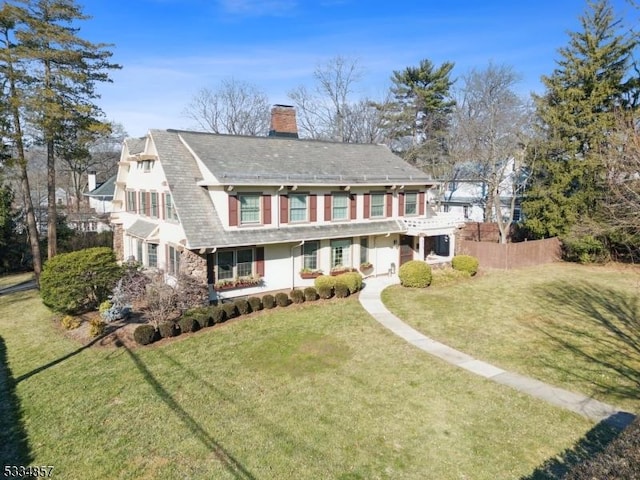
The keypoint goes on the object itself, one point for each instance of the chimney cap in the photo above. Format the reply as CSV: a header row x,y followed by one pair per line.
x,y
282,105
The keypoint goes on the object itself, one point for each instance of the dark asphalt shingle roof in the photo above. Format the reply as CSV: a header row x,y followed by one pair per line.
x,y
104,190
259,160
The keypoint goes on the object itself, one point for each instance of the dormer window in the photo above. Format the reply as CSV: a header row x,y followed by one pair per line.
x,y
249,209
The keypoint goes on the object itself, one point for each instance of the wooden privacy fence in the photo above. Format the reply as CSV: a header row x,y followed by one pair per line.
x,y
512,255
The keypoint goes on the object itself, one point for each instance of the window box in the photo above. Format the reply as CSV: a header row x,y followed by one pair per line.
x,y
338,270
241,282
307,273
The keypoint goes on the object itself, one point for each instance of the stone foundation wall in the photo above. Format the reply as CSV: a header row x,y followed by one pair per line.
x,y
118,242
194,265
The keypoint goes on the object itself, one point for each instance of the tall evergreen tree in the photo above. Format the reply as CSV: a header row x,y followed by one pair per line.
x,y
418,114
65,70
576,114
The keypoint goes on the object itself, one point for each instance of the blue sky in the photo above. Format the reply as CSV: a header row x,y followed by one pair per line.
x,y
169,49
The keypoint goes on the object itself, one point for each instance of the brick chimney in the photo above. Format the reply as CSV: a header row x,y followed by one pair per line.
x,y
91,177
283,122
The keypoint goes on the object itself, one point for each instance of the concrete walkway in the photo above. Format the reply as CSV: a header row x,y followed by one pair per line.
x,y
588,407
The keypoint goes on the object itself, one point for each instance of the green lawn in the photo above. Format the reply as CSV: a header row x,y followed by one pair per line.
x,y
571,325
312,392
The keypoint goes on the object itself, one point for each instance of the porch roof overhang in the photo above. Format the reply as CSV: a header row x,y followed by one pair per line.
x,y
440,224
143,230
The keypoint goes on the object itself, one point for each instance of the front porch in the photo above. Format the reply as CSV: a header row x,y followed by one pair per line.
x,y
430,239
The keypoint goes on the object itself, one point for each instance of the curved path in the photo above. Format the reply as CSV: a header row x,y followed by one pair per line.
x,y
586,406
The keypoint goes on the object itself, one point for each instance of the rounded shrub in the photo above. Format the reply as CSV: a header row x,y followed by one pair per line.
x,y
353,280
243,306
167,329
341,289
230,310
70,322
218,314
256,304
79,281
282,299
96,327
144,334
269,301
324,281
465,263
310,294
415,273
325,292
297,296
188,324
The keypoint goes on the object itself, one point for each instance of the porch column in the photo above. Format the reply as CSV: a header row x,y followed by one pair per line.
x,y
452,245
421,247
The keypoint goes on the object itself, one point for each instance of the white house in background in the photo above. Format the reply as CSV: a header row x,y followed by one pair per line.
x,y
259,213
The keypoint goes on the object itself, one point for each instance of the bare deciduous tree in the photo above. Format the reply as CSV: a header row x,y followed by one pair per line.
x,y
234,107
489,137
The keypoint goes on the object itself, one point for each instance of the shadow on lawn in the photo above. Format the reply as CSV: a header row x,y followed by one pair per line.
x,y
604,330
594,442
230,463
14,443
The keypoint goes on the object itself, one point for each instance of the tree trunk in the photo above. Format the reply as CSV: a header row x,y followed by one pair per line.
x,y
52,210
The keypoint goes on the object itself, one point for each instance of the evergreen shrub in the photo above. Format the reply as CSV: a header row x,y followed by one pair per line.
x,y
415,274
144,334
282,299
268,301
465,263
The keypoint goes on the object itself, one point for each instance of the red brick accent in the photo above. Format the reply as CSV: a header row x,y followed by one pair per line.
x,y
283,121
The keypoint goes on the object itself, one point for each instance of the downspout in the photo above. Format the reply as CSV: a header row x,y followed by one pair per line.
x,y
293,265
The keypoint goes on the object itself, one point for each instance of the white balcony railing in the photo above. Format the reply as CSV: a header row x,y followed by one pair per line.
x,y
416,226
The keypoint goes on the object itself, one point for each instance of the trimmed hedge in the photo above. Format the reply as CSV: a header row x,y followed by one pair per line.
x,y
325,292
325,281
256,304
80,281
297,296
415,274
310,294
341,289
243,306
269,301
353,280
465,263
282,299
144,334
188,324
218,314
230,310
167,329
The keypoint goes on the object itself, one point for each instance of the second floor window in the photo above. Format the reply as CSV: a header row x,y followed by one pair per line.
x,y
249,209
169,209
144,206
340,204
377,205
411,203
154,204
132,205
298,208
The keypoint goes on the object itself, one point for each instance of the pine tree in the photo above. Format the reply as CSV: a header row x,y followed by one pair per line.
x,y
576,113
65,70
419,110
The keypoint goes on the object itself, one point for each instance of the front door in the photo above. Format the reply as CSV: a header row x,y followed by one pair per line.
x,y
406,248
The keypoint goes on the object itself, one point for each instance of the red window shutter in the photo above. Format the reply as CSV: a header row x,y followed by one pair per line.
x,y
313,208
260,261
148,205
284,209
233,211
161,206
266,209
353,207
367,205
401,204
421,202
327,207
389,209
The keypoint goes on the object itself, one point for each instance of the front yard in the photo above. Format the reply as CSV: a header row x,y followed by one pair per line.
x,y
570,325
311,391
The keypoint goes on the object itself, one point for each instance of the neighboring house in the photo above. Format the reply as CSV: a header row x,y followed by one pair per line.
x,y
259,213
467,197
100,205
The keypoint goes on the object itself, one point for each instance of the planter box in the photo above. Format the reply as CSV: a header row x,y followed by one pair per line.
x,y
309,275
339,272
233,286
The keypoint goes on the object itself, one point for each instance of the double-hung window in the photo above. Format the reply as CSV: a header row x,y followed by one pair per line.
x,y
132,204
310,255
154,204
173,261
340,206
341,253
143,203
169,208
152,255
377,205
235,263
298,207
411,203
249,209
